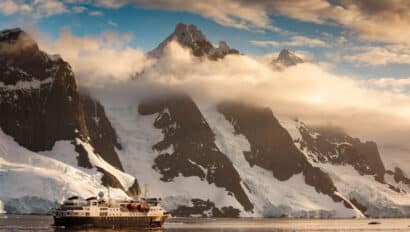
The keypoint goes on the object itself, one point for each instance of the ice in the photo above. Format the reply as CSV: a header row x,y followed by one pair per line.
x,y
137,135
26,175
271,197
378,197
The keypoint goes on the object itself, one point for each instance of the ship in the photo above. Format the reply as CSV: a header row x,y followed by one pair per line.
x,y
112,213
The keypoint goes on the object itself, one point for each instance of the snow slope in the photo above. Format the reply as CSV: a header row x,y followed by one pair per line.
x,y
378,198
65,151
32,183
137,135
271,197
2,211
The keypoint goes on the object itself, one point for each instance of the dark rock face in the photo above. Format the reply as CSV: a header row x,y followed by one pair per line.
x,y
38,93
82,158
111,181
399,177
102,135
360,206
335,146
193,151
272,148
40,104
200,207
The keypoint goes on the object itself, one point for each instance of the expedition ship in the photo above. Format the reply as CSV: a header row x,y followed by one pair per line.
x,y
97,212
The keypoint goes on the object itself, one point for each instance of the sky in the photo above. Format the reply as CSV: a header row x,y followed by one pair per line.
x,y
364,38
357,52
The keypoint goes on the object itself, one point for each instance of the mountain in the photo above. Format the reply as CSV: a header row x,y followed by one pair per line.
x,y
229,159
286,58
189,36
43,112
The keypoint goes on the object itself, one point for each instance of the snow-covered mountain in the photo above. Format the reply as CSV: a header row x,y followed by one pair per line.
x,y
50,136
230,159
190,37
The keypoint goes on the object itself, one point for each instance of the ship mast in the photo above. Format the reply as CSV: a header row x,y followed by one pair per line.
x,y
109,196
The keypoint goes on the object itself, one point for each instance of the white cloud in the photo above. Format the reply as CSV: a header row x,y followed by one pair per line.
x,y
380,55
398,85
382,20
295,41
112,23
307,91
9,7
231,13
48,7
78,9
96,13
36,8
98,58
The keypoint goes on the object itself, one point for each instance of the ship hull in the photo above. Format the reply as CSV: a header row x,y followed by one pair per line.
x,y
111,222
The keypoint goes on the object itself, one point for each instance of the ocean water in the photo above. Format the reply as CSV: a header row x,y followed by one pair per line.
x,y
17,223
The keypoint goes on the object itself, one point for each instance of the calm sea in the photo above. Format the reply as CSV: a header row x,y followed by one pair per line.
x,y
17,223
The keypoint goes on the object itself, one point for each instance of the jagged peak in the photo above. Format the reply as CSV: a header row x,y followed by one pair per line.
x,y
287,58
223,46
189,36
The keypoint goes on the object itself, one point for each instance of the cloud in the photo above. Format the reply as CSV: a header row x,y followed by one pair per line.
x,y
35,8
49,7
78,9
383,20
398,85
96,59
9,7
231,13
380,55
96,13
112,23
295,41
306,91
377,110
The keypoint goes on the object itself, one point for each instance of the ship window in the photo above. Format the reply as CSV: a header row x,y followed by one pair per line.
x,y
87,214
94,203
103,214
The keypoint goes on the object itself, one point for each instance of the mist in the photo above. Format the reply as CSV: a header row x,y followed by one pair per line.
x,y
108,67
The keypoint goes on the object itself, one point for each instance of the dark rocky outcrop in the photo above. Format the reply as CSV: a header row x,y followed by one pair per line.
x,y
102,135
399,177
40,104
188,147
205,209
111,181
271,146
334,146
37,95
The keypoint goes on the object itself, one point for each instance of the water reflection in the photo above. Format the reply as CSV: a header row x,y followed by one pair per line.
x,y
16,223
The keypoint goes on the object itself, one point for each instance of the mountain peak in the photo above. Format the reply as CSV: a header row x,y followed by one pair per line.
x,y
10,34
287,58
189,36
17,36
